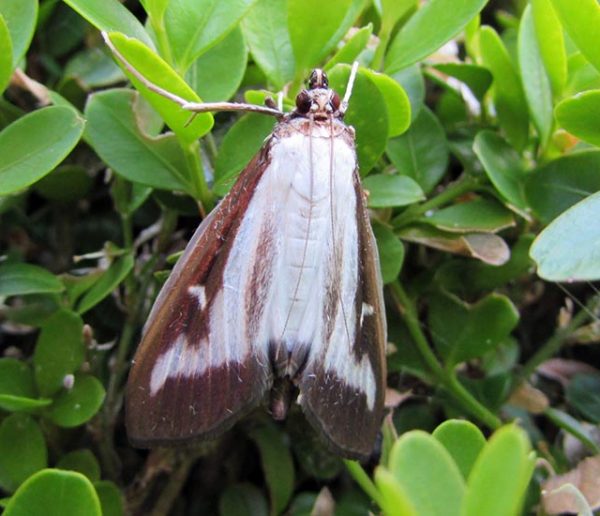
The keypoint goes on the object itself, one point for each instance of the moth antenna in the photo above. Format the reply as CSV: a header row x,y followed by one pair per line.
x,y
196,107
351,79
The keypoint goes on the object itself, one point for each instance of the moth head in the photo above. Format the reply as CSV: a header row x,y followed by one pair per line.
x,y
318,99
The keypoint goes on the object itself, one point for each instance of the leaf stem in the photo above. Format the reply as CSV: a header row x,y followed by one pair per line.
x,y
447,378
364,481
201,191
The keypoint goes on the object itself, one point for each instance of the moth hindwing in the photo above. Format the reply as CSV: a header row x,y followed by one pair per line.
x,y
279,291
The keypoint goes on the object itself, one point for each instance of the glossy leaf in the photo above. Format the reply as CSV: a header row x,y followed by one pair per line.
x,y
580,114
352,48
55,493
412,81
396,102
503,167
550,39
17,387
216,75
22,450
567,249
535,80
367,113
23,278
503,466
394,498
20,17
433,25
266,32
561,183
75,406
33,145
391,252
82,461
583,394
310,40
507,92
462,332
194,26
478,215
387,191
59,351
477,78
422,152
582,25
5,55
463,441
107,283
65,184
114,134
429,476
238,147
111,498
277,465
158,71
109,16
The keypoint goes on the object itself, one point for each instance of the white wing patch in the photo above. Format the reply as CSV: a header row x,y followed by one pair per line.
x,y
198,292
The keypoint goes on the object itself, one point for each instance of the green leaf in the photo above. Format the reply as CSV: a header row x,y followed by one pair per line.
x,y
155,8
429,476
242,500
391,252
277,465
59,351
502,468
17,387
82,461
396,102
110,497
580,114
5,55
507,92
463,440
75,406
216,75
386,191
567,249
477,78
582,25
535,80
367,113
462,332
428,29
412,81
559,184
33,145
114,134
17,279
107,283
93,68
111,16
20,17
481,215
421,152
238,147
583,394
22,450
158,71
503,167
52,492
352,48
194,26
266,32
394,498
310,40
550,39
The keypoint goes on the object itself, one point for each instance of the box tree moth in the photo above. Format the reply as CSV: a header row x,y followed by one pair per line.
x,y
278,293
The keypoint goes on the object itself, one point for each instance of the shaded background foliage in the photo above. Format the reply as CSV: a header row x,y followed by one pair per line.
x,y
476,128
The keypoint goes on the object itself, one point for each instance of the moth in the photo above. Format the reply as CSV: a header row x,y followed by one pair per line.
x,y
277,294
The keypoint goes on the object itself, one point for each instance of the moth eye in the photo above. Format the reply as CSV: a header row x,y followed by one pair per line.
x,y
303,102
335,101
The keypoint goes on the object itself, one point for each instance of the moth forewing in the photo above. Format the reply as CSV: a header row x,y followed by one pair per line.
x,y
280,285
